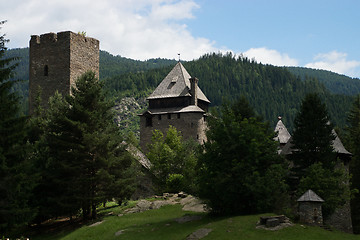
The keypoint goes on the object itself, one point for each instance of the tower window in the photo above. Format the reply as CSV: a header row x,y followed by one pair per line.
x,y
148,121
159,117
178,115
169,115
46,70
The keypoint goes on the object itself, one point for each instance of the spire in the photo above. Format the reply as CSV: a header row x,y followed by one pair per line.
x,y
283,134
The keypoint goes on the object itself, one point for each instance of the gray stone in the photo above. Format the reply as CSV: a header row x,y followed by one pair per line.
x,y
95,224
199,234
272,222
119,232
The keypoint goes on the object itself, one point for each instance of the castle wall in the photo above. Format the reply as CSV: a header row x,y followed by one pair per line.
x,y
310,213
191,124
169,102
57,60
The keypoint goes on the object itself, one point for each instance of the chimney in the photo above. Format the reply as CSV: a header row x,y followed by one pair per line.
x,y
193,91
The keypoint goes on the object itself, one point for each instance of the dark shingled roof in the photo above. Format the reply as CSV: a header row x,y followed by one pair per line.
x,y
337,145
176,84
310,196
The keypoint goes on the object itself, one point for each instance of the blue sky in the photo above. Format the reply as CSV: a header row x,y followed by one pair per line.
x,y
317,34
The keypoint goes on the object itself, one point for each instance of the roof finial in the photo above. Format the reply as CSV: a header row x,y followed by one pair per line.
x,y
179,56
279,117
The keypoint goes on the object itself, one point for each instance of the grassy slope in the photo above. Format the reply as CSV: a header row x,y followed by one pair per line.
x,y
160,224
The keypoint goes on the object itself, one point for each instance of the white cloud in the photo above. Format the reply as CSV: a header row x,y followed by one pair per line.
x,y
138,29
336,62
270,56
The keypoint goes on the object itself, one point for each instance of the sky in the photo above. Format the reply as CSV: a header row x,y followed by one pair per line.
x,y
320,34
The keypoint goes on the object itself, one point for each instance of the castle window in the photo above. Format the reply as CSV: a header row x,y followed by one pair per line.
x,y
204,118
46,70
178,115
148,121
159,117
169,115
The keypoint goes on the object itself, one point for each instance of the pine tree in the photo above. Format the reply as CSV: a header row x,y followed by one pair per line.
x,y
16,180
239,169
315,162
312,137
354,137
87,162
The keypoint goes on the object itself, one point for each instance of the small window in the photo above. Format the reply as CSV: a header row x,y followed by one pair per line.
x,y
178,115
148,121
159,117
204,118
169,115
197,136
46,70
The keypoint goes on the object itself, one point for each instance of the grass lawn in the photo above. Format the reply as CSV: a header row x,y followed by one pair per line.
x,y
161,224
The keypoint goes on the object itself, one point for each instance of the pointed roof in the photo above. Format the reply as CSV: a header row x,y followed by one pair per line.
x,y
338,146
310,196
176,84
283,134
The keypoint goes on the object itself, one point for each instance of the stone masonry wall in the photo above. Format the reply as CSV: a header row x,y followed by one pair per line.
x,y
56,60
191,124
310,213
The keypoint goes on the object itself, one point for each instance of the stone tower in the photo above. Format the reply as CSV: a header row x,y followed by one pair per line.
x,y
57,60
177,101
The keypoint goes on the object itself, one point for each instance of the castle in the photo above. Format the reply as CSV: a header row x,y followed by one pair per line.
x,y
177,101
56,61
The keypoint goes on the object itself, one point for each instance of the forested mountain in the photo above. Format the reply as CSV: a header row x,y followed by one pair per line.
x,y
335,83
271,90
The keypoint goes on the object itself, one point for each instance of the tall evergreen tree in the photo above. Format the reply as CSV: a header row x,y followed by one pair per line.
x,y
314,158
240,170
354,140
312,137
16,181
87,163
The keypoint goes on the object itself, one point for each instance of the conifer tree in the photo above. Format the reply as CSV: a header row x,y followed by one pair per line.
x,y
314,158
239,169
354,140
312,137
16,181
87,162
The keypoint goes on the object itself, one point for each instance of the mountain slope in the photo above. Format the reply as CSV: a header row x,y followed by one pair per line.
x,y
271,90
335,83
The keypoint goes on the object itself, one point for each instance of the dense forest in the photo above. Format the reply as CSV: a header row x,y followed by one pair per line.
x,y
272,91
335,83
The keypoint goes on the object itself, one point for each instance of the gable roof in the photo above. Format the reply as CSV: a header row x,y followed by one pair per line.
x,y
176,84
283,134
310,196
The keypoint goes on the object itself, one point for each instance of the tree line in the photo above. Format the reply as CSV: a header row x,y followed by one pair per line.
x,y
271,90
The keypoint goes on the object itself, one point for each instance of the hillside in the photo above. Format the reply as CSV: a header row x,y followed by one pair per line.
x,y
335,83
164,224
271,90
